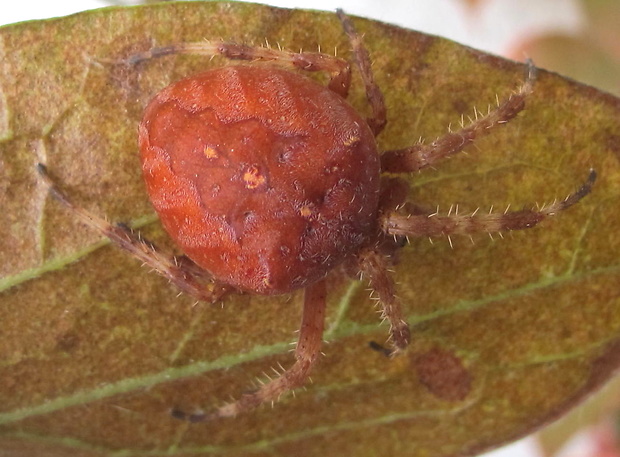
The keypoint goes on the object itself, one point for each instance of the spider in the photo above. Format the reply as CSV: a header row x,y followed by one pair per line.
x,y
268,180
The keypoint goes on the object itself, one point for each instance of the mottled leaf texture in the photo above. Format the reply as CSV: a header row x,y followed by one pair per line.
x,y
95,350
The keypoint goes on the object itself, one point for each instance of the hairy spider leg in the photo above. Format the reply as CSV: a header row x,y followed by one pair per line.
x,y
374,268
395,223
362,59
373,263
339,70
420,156
306,354
180,271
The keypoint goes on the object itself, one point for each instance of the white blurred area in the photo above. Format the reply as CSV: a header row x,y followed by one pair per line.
x,y
495,26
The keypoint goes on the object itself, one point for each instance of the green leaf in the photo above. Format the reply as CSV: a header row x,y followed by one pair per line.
x,y
95,350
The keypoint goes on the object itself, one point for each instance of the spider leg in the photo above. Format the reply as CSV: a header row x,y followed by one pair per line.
x,y
374,267
420,156
362,58
339,70
306,354
183,273
394,223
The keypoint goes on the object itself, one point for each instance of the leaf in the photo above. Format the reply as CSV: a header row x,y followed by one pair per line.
x,y
95,350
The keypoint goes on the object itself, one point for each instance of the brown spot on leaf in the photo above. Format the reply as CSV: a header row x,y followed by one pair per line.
x,y
443,374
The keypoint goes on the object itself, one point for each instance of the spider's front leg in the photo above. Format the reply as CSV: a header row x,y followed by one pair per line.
x,y
306,354
428,225
420,156
180,271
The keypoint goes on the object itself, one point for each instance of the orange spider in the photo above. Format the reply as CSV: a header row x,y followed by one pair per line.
x,y
268,180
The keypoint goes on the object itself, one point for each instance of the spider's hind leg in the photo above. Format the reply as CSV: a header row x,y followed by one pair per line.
x,y
181,272
339,70
307,353
373,267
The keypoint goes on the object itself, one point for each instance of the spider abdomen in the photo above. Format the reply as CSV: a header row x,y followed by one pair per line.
x,y
263,177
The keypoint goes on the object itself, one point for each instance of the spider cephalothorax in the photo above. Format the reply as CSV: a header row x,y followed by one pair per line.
x,y
268,180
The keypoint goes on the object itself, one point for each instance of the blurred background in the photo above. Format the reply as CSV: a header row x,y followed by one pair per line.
x,y
577,38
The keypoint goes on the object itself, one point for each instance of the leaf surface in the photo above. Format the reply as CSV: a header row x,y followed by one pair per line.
x,y
94,349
